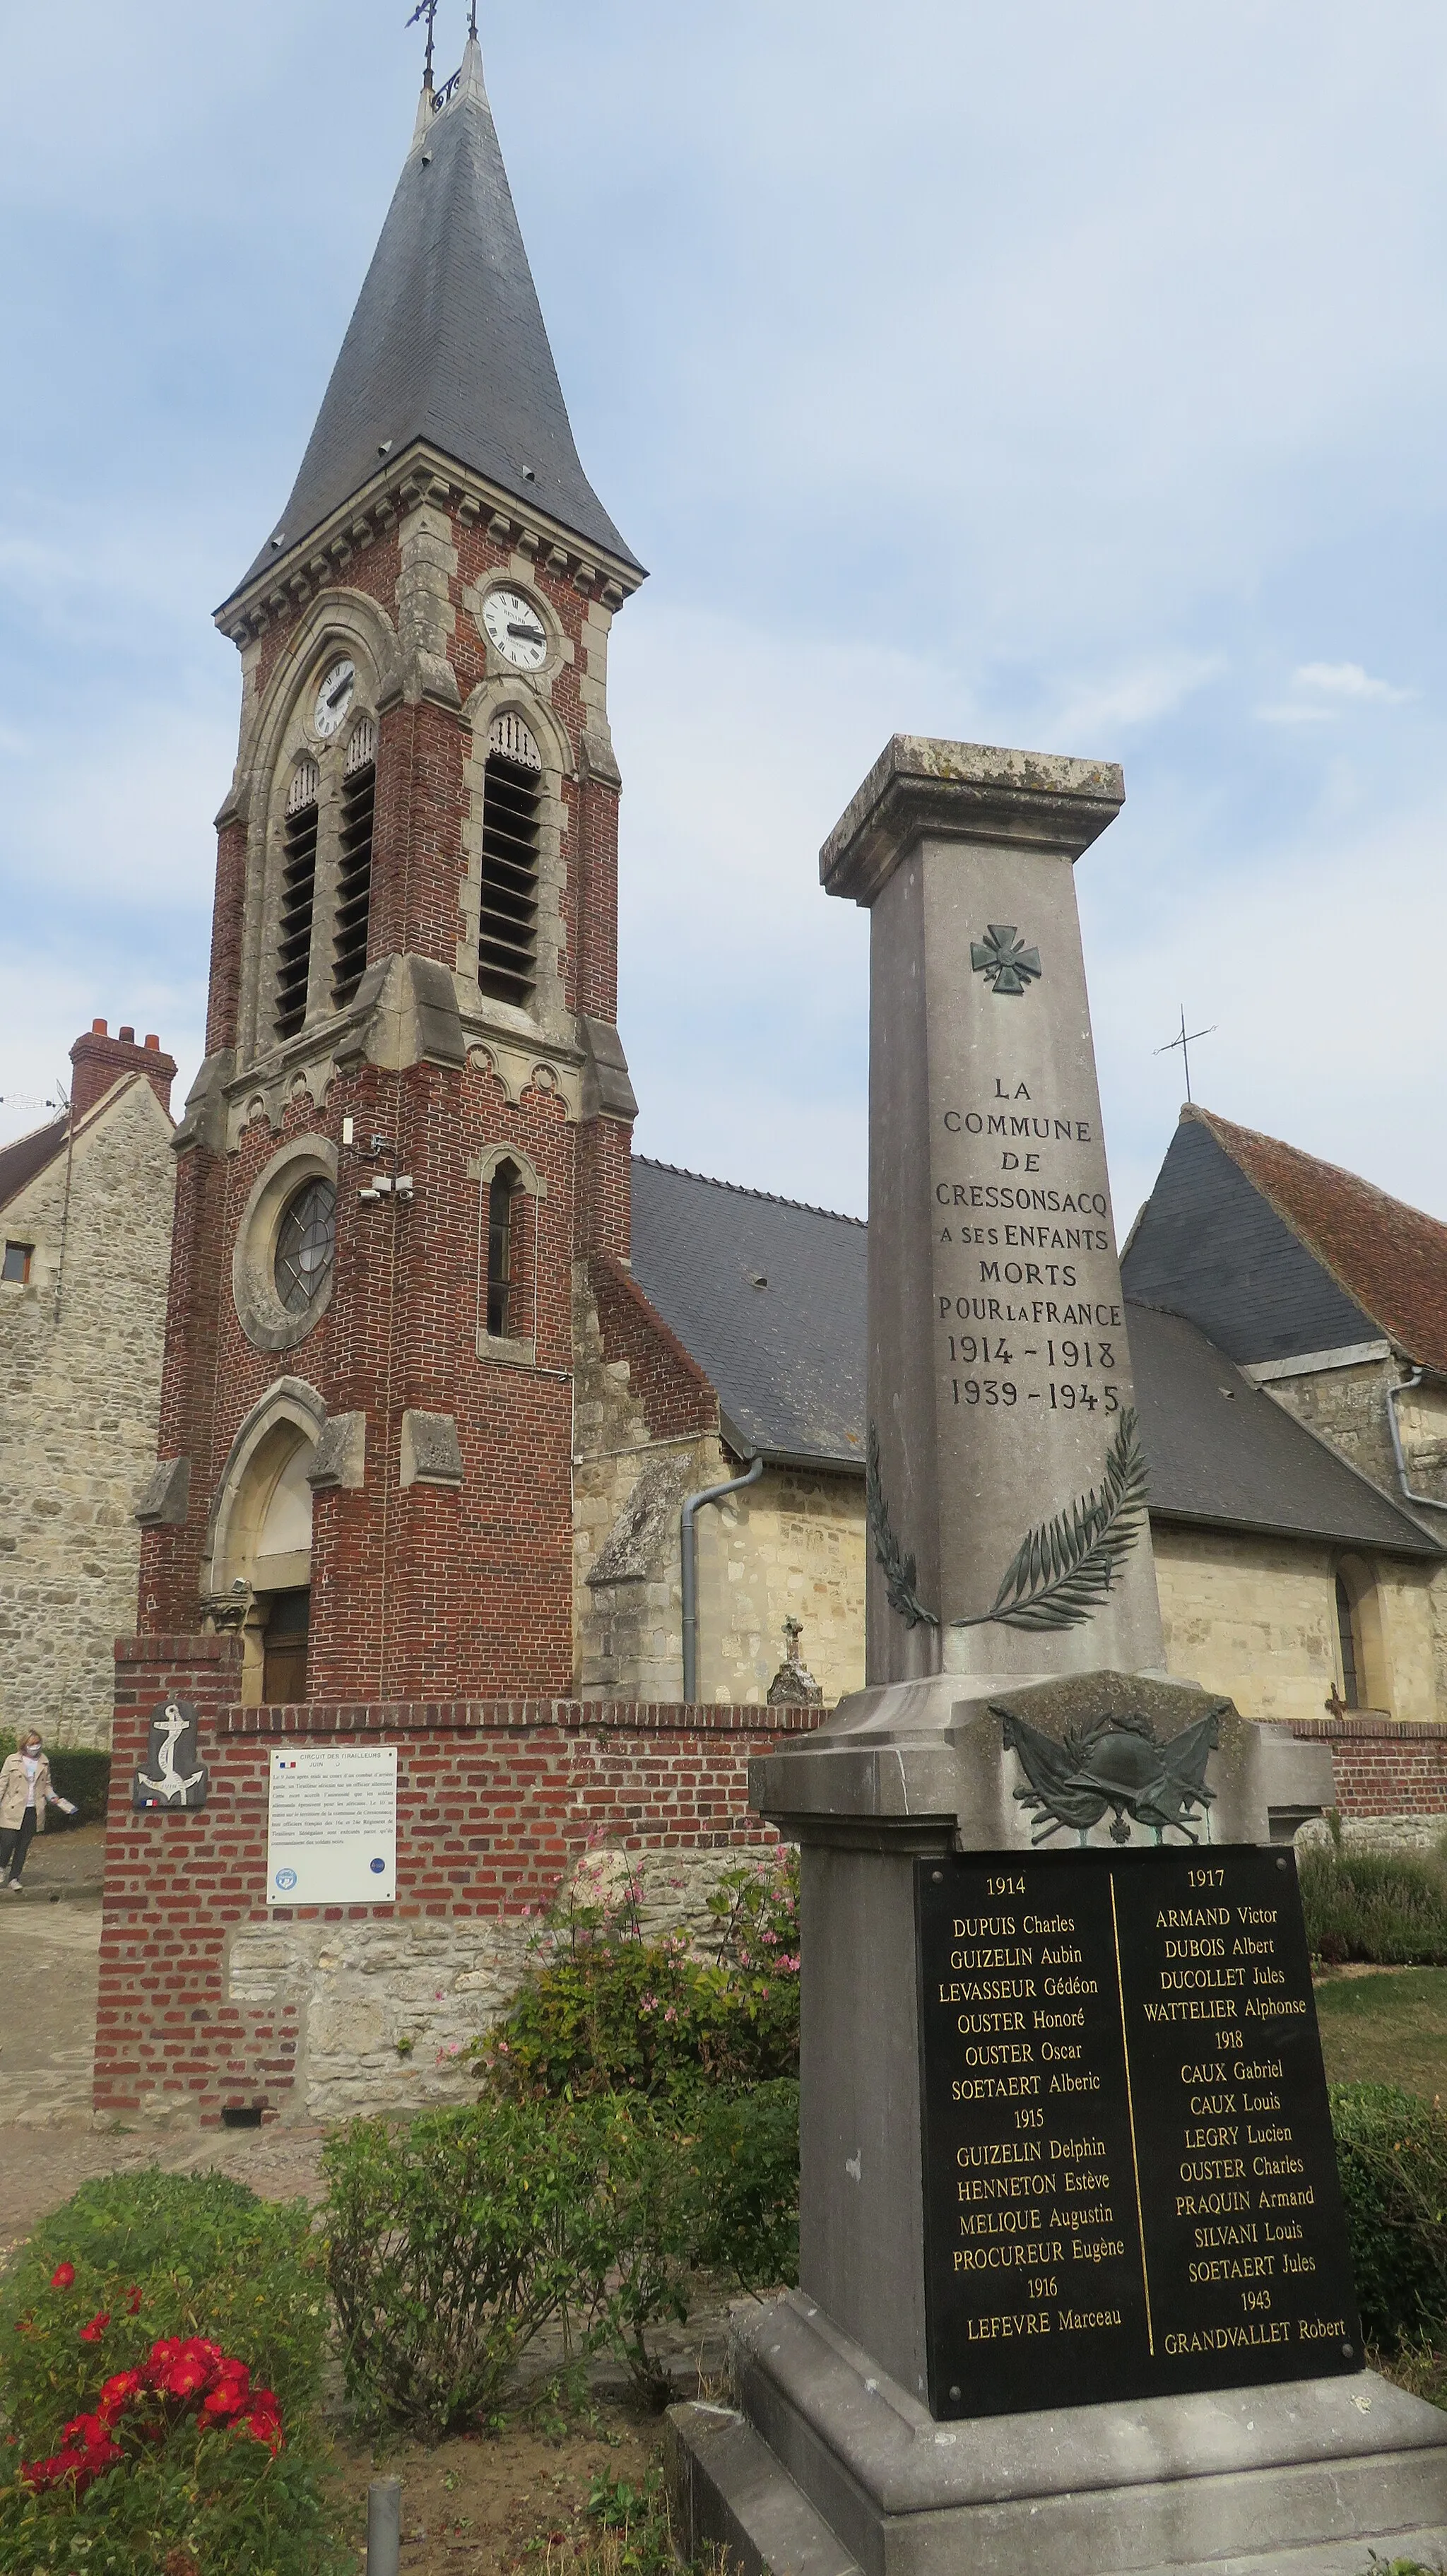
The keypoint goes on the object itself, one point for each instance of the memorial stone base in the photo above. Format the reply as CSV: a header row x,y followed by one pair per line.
x,y
1063,2138
827,2465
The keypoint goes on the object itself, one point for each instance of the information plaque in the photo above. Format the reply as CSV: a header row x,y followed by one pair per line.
x,y
1130,2182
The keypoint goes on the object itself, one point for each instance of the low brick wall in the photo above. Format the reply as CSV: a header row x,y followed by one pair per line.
x,y
213,2001
1384,1767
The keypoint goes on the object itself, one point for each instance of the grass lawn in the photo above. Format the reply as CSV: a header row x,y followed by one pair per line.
x,y
1386,2027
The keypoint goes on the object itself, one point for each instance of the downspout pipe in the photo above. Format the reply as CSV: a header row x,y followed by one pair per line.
x,y
1404,1387
688,1551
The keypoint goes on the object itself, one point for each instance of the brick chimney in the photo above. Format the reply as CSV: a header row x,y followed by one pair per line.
x,y
100,1060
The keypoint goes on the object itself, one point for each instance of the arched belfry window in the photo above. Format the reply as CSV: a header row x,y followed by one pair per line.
x,y
504,1193
354,863
298,897
507,946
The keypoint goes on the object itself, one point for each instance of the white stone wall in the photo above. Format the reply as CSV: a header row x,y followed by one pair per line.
x,y
386,2008
79,1402
1255,1618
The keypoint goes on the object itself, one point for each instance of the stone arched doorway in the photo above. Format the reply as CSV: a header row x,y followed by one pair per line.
x,y
261,1542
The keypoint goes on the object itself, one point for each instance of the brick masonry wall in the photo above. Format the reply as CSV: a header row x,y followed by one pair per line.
x,y
1383,1769
210,1999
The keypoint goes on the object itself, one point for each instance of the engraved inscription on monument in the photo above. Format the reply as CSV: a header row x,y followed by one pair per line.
x,y
1130,2183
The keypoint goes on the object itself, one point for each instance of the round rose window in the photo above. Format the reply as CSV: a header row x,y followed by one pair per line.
x,y
305,1246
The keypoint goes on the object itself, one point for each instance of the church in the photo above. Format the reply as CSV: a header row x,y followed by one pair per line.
x,y
531,1464
445,1362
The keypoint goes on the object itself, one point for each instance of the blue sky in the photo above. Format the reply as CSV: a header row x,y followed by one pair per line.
x,y
1065,378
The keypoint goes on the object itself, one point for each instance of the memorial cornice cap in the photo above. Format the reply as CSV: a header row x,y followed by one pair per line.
x,y
965,791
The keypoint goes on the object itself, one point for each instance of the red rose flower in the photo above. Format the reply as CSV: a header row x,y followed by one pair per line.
x,y
93,2332
133,2303
62,2277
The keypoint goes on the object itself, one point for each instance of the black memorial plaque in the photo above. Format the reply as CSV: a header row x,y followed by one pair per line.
x,y
1130,2182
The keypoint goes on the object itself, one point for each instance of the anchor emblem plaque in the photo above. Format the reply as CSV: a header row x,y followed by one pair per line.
x,y
173,1774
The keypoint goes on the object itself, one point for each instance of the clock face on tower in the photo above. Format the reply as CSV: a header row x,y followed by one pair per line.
x,y
333,698
515,627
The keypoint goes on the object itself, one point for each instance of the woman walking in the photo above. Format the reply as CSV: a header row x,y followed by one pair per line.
x,y
25,1793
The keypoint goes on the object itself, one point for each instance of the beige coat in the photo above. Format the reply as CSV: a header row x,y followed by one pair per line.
x,y
15,1789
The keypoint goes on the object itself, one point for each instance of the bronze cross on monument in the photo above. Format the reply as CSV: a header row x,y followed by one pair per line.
x,y
1185,1042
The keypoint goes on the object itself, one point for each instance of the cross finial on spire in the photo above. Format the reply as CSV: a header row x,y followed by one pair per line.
x,y
426,9
472,23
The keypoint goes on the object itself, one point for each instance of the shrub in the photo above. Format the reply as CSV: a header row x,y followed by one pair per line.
x,y
152,2444
159,2254
1391,2150
199,2504
1388,1908
604,2009
448,2250
453,2241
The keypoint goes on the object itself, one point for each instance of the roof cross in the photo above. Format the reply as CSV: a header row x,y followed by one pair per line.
x,y
1185,1042
426,9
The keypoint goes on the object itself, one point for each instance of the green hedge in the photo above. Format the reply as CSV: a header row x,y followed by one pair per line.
x,y
1386,1908
82,1776
1391,2152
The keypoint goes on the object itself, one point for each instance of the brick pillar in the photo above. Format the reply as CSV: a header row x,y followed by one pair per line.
x,y
160,2010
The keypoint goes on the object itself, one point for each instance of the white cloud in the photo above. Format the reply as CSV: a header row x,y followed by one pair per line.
x,y
1348,680
1137,696
1290,713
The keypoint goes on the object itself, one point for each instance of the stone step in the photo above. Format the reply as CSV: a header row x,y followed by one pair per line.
x,y
730,2493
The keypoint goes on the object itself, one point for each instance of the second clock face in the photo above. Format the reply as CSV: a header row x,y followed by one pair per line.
x,y
334,697
515,627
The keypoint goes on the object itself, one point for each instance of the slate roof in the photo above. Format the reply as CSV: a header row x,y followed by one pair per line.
x,y
1223,1451
769,1297
1276,1254
448,344
787,1357
20,1161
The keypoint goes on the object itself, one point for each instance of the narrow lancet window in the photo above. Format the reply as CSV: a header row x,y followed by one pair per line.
x,y
511,823
501,1203
354,864
1346,1629
298,894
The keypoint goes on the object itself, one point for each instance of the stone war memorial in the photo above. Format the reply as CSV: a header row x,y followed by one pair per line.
x,y
1075,2292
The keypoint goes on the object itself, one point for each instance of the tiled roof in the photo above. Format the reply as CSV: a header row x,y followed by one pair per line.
x,y
448,345
28,1155
1389,1259
769,1298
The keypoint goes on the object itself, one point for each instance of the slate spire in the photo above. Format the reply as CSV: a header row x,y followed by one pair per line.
x,y
447,343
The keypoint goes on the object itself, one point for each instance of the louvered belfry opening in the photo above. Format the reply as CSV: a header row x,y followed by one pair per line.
x,y
354,868
507,946
298,896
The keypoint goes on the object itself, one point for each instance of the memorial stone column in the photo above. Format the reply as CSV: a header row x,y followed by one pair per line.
x,y
1006,1479
1074,2283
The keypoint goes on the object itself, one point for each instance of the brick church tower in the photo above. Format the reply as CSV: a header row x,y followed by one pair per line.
x,y
413,1119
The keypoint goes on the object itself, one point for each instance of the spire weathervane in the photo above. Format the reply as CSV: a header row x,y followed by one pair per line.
x,y
1185,1042
426,9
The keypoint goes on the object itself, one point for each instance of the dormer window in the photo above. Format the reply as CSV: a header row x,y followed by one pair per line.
x,y
511,833
298,896
354,862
